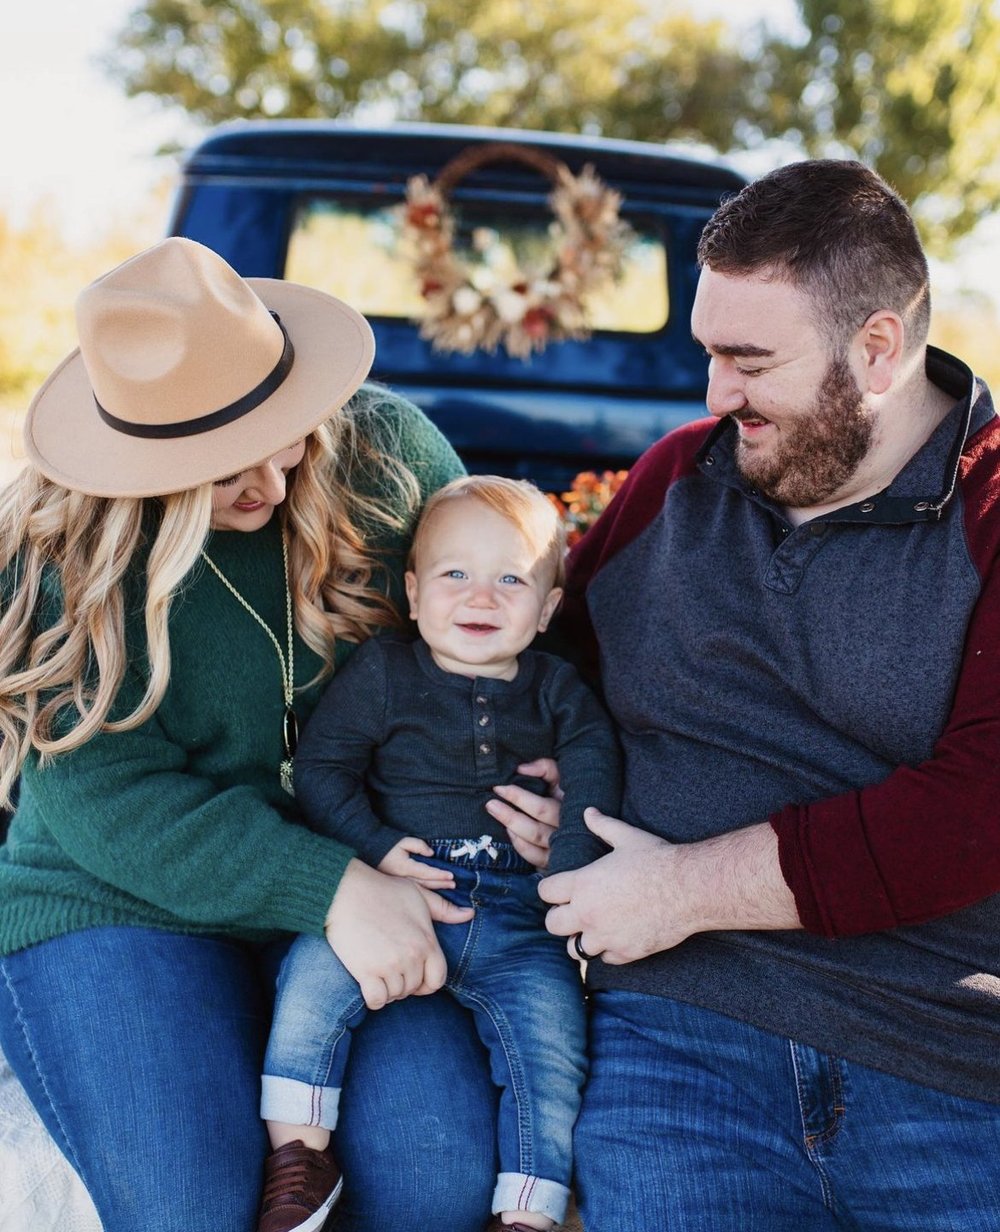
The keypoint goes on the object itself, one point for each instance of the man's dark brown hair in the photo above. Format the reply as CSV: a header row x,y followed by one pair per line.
x,y
831,228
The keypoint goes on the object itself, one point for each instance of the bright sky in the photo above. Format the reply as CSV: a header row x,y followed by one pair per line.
x,y
70,136
68,133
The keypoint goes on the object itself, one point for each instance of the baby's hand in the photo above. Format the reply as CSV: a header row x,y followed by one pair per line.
x,y
397,862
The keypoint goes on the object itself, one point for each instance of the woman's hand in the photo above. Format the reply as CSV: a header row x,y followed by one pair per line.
x,y
381,929
530,820
398,862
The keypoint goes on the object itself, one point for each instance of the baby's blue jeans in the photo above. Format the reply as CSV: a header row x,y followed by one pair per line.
x,y
526,997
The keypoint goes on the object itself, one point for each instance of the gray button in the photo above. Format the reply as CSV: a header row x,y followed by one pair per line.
x,y
920,506
481,700
709,460
867,507
485,748
484,720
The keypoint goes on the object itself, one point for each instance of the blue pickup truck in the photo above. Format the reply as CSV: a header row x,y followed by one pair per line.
x,y
324,203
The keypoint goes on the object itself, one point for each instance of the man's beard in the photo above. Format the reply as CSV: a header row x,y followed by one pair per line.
x,y
818,454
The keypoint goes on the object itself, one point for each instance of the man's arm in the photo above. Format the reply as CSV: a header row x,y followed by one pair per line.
x,y
648,895
921,844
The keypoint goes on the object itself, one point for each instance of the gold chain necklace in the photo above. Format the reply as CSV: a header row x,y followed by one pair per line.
x,y
289,724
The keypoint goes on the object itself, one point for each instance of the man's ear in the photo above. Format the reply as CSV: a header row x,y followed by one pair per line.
x,y
883,338
412,591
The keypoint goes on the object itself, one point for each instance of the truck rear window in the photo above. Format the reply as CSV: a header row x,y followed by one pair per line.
x,y
353,251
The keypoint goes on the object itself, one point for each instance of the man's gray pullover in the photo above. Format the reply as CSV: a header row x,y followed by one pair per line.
x,y
841,680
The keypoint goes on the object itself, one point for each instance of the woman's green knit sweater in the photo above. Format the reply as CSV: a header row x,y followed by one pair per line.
x,y
181,824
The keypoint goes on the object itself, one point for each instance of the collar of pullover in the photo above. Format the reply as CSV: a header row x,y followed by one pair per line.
x,y
922,489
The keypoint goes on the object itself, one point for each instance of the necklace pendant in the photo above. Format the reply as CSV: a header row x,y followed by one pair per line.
x,y
285,773
290,731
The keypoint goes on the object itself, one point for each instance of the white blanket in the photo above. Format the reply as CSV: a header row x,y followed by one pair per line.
x,y
39,1191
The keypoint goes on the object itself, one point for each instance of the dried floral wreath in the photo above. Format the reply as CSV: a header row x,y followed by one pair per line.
x,y
480,306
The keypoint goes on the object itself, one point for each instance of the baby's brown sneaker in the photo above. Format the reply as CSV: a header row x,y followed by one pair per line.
x,y
301,1188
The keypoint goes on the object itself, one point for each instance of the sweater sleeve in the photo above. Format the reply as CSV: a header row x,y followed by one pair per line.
x,y
590,770
126,808
634,506
336,750
926,840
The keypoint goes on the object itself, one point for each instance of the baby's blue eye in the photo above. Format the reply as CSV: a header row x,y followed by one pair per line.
x,y
509,578
455,573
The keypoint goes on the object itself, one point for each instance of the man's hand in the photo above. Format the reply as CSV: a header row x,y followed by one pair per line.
x,y
529,819
649,895
381,928
399,862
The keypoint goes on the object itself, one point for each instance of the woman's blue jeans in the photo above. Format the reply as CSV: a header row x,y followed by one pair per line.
x,y
695,1121
526,996
142,1052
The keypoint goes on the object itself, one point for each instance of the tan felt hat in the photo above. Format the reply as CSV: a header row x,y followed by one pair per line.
x,y
187,373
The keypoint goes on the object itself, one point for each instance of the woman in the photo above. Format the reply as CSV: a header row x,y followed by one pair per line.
x,y
208,525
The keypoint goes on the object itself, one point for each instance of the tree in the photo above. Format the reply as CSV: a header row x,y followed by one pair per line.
x,y
621,69
907,86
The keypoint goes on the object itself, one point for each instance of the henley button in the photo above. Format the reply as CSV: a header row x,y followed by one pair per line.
x,y
484,748
867,507
481,700
483,720
920,506
709,460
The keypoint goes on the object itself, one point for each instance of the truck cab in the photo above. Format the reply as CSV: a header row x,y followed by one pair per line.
x,y
322,203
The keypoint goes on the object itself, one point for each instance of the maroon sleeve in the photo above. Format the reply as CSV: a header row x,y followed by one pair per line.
x,y
636,503
926,841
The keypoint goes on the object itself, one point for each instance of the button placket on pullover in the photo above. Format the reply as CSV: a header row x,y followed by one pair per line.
x,y
484,732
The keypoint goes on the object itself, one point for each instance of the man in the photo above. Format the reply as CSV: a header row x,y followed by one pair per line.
x,y
796,1015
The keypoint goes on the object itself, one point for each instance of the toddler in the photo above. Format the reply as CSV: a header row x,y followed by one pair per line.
x,y
398,761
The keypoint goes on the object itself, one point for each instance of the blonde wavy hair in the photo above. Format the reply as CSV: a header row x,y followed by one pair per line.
x,y
524,505
67,553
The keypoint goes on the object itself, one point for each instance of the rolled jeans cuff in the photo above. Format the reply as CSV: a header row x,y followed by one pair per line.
x,y
516,1191
298,1103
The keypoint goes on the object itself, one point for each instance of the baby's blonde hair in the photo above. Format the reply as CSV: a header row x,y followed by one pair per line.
x,y
518,500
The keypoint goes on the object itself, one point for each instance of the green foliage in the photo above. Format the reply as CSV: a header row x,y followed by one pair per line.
x,y
625,69
909,87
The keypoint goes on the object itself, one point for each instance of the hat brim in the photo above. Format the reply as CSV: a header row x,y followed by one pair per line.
x,y
66,439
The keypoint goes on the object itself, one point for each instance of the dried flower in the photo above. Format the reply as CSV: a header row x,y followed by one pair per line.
x,y
481,306
465,301
586,501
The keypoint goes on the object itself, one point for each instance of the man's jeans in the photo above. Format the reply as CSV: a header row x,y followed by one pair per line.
x,y
526,997
695,1121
